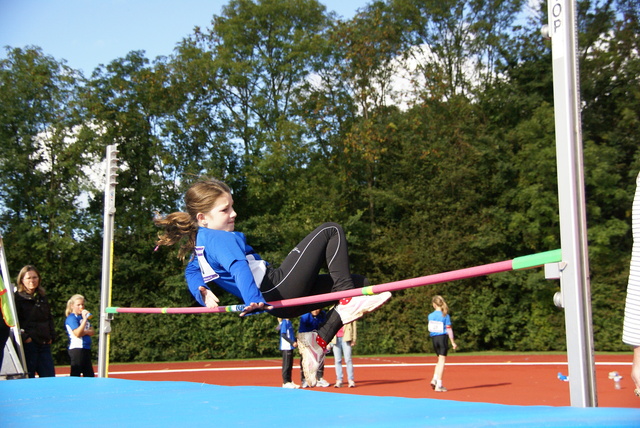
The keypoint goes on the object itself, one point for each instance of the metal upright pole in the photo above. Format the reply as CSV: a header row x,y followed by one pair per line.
x,y
107,262
575,286
15,330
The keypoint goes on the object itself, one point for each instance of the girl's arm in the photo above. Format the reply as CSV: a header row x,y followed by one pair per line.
x,y
79,331
450,334
199,290
194,281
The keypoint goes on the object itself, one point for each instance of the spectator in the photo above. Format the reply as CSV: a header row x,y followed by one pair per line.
x,y
341,346
80,331
287,345
631,326
36,323
309,322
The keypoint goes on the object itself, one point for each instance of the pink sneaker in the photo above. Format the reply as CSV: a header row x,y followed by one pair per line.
x,y
352,308
312,356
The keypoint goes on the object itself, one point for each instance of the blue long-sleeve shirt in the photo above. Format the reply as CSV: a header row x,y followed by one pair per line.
x,y
226,253
310,323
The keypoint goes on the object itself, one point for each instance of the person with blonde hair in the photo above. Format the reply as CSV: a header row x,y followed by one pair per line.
x,y
80,331
441,332
36,323
221,256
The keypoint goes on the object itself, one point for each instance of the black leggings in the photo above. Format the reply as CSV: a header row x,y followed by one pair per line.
x,y
298,275
81,362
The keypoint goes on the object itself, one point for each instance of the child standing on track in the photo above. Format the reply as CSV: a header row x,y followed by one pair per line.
x,y
221,256
441,332
287,345
80,332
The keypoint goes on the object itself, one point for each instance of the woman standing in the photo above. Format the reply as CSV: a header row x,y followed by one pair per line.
x,y
36,322
441,332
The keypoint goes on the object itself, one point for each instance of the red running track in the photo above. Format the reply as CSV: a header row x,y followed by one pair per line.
x,y
502,379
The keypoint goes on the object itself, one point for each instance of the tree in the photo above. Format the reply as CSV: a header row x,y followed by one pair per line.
x,y
456,45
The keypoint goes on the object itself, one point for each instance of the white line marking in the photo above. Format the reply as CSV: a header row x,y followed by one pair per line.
x,y
222,369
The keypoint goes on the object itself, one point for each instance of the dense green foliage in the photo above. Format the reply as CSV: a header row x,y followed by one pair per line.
x,y
425,127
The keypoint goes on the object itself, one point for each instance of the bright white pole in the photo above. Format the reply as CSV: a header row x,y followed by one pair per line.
x,y
576,289
107,262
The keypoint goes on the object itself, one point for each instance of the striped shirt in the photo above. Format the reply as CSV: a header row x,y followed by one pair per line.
x,y
631,328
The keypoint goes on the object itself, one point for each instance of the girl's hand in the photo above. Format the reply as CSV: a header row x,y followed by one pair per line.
x,y
255,308
210,299
455,345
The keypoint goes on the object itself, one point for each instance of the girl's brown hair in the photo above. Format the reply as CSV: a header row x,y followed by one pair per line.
x,y
200,198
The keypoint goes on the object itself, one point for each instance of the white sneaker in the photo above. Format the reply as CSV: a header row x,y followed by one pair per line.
x,y
355,307
290,385
304,384
312,356
352,384
338,384
323,383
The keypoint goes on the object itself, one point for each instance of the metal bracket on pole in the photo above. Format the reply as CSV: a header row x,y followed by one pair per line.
x,y
554,271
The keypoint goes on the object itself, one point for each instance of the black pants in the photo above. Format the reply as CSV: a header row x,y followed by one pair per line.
x,y
298,275
81,362
287,365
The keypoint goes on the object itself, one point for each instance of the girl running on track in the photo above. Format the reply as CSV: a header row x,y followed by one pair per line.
x,y
221,256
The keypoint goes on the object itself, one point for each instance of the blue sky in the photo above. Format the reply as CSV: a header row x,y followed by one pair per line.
x,y
87,33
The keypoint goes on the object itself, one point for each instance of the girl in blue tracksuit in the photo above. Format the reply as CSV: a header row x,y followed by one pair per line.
x,y
221,256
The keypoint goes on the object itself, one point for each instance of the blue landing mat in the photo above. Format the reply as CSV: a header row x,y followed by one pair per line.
x,y
99,402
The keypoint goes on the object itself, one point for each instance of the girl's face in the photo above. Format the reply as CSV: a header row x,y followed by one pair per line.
x,y
221,217
78,306
31,281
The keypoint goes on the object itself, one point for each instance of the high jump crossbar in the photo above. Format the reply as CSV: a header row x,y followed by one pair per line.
x,y
519,263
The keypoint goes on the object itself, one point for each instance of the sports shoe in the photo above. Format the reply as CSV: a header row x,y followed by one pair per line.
x,y
312,356
440,389
352,308
338,384
322,383
352,384
433,384
305,384
290,385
